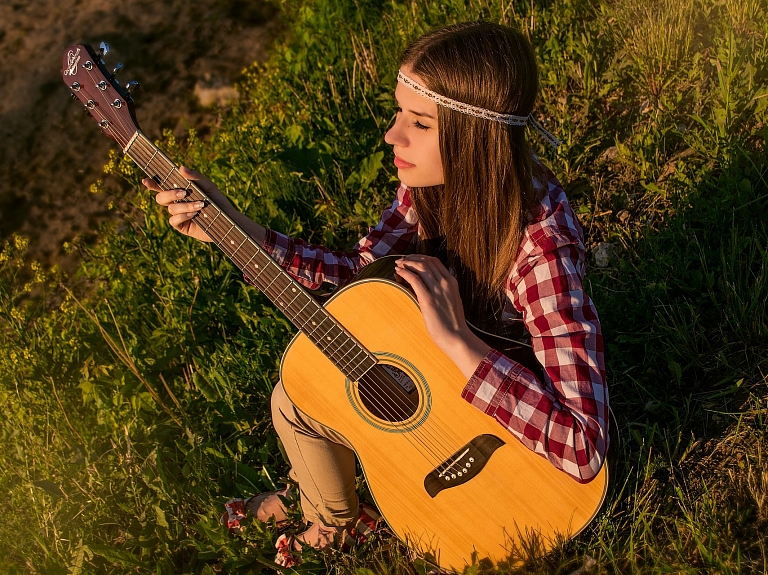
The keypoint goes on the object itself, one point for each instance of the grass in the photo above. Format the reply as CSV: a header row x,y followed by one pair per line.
x,y
135,392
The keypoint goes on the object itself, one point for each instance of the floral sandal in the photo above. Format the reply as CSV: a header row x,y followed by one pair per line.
x,y
367,522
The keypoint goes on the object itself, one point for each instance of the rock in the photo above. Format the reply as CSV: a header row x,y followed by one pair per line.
x,y
609,154
214,91
604,252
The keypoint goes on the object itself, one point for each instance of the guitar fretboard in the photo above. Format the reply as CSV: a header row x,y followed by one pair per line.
x,y
261,270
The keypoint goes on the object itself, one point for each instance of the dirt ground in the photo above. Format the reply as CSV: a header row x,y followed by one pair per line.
x,y
184,53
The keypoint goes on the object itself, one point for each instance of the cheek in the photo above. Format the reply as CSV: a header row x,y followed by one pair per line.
x,y
437,162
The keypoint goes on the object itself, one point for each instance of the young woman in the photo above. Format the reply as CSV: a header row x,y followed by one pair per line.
x,y
488,235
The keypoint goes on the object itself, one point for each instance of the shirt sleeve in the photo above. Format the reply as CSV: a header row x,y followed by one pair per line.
x,y
564,418
313,265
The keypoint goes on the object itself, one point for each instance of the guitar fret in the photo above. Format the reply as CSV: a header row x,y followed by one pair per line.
x,y
293,300
334,338
270,283
354,359
302,325
278,296
245,239
250,260
354,346
317,325
218,213
258,274
150,160
168,174
224,237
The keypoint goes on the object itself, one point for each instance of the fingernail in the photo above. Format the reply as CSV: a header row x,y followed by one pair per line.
x,y
180,194
198,205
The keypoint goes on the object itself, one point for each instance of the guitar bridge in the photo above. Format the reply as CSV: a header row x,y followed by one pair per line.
x,y
463,465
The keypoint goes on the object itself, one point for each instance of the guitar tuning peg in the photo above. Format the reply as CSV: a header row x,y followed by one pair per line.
x,y
115,71
103,50
131,86
72,95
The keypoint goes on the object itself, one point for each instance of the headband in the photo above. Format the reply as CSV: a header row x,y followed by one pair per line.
x,y
510,119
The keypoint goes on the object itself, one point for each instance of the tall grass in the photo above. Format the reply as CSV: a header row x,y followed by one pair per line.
x,y
136,392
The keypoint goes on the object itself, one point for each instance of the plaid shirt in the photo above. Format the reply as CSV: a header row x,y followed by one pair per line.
x,y
563,418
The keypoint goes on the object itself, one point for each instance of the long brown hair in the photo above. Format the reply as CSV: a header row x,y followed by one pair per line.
x,y
477,217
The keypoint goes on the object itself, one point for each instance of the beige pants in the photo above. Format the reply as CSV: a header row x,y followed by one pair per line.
x,y
322,463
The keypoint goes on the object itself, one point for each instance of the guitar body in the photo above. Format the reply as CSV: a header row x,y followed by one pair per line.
x,y
516,500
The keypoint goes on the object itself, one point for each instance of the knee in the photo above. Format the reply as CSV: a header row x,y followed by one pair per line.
x,y
280,402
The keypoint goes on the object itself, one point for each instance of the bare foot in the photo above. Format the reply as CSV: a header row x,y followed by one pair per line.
x,y
323,537
265,506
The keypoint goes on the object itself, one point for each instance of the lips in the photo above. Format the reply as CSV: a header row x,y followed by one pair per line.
x,y
401,163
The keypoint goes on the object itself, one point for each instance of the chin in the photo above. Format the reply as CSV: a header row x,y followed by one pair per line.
x,y
413,181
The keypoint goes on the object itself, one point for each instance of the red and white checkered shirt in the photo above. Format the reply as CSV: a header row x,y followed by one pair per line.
x,y
563,418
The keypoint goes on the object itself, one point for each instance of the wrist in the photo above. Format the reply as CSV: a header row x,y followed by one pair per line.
x,y
467,351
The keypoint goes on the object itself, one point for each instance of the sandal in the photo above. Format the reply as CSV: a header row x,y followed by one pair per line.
x,y
237,509
289,556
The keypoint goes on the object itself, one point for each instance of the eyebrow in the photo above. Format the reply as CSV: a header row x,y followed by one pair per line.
x,y
415,113
423,115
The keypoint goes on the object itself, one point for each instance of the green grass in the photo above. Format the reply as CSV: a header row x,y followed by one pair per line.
x,y
136,392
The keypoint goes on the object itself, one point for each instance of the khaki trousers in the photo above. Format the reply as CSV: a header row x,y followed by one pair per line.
x,y
322,463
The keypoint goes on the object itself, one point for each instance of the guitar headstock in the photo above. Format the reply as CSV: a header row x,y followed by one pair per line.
x,y
111,105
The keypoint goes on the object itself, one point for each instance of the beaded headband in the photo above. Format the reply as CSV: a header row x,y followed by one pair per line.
x,y
510,119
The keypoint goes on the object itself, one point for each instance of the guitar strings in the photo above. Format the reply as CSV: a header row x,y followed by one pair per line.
x,y
371,376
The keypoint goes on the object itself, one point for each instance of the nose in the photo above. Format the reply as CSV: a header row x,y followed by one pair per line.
x,y
395,136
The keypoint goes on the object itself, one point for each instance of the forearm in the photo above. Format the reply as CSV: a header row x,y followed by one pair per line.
x,y
251,228
467,351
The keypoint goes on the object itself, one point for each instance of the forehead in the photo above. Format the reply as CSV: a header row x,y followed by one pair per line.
x,y
411,101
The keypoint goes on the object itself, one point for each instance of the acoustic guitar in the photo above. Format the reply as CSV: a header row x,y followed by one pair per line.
x,y
451,483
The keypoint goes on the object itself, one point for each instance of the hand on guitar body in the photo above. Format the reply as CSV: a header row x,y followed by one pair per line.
x,y
183,211
437,292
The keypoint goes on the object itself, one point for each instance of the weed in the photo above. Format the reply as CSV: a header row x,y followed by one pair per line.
x,y
136,393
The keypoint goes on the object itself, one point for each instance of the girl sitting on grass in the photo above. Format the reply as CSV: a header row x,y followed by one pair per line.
x,y
488,235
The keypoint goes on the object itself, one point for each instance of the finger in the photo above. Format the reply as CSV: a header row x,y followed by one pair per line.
x,y
421,269
166,198
417,285
427,262
180,219
185,208
191,174
151,184
442,277
202,182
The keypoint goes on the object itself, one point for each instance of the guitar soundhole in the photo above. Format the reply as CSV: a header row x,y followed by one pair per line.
x,y
388,393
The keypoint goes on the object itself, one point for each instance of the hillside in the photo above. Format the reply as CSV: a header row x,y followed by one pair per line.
x,y
186,56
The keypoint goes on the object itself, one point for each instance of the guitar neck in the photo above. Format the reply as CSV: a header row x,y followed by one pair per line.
x,y
286,293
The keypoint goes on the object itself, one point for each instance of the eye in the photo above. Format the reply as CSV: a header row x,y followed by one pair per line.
x,y
420,126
